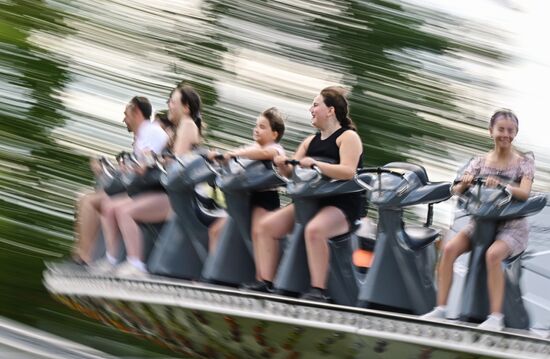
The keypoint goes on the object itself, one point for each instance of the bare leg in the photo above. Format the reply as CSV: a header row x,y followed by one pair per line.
x,y
327,223
109,222
271,228
258,213
146,208
456,246
497,252
87,224
214,233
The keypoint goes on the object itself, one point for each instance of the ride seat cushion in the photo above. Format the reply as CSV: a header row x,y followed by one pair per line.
x,y
418,237
417,169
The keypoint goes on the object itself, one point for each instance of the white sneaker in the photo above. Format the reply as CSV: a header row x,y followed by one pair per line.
x,y
437,313
493,322
101,267
128,270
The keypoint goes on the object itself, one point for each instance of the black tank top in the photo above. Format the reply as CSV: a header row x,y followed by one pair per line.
x,y
353,205
328,148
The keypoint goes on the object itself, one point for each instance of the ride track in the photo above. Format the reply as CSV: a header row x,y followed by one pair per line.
x,y
203,320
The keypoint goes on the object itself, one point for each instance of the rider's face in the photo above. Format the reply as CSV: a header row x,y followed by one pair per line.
x,y
129,117
263,133
503,131
320,112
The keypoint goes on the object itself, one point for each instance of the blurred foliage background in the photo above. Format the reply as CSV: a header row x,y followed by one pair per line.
x,y
67,68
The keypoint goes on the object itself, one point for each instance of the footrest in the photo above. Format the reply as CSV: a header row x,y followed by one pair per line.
x,y
419,237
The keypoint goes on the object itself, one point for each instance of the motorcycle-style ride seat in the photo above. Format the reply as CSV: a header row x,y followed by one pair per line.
x,y
207,210
418,170
418,237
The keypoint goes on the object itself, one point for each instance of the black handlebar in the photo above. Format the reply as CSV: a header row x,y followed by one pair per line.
x,y
292,162
482,181
379,170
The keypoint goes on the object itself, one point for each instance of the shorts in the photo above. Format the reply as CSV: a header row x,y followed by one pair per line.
x,y
351,204
268,200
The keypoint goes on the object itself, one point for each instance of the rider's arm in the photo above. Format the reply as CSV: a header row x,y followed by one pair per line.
x,y
187,136
463,185
523,190
350,152
256,153
95,166
286,170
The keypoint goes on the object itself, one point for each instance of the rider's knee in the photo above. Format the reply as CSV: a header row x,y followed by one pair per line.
x,y
493,257
121,212
313,231
450,250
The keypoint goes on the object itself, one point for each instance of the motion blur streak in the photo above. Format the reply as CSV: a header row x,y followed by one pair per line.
x,y
422,84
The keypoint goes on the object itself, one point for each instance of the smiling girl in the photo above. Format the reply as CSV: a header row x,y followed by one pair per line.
x,y
502,162
267,133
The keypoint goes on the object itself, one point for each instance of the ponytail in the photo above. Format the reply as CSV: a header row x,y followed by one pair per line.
x,y
335,96
191,99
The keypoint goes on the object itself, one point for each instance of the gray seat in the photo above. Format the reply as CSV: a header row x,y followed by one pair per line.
x,y
418,170
418,237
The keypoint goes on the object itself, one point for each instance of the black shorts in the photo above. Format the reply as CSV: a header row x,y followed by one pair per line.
x,y
351,204
268,200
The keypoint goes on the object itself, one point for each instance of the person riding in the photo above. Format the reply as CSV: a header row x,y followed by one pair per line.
x,y
146,138
337,141
267,134
149,207
503,161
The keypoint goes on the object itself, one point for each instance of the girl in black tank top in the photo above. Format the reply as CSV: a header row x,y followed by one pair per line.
x,y
329,114
350,203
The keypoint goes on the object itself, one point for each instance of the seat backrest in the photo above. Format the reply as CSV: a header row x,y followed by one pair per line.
x,y
417,169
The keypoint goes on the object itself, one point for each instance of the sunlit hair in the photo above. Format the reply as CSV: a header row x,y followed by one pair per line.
x,y
335,96
143,104
276,121
504,113
190,98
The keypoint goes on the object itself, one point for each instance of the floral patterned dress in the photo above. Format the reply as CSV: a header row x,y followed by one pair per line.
x,y
514,232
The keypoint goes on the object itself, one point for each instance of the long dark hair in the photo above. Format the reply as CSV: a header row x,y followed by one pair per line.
x,y
191,98
335,96
162,117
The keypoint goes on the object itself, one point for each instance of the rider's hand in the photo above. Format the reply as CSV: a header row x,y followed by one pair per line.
x,y
492,181
279,160
95,166
229,155
123,167
148,158
307,162
211,154
140,170
467,179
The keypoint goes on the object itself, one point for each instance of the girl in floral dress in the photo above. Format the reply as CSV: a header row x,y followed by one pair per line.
x,y
503,161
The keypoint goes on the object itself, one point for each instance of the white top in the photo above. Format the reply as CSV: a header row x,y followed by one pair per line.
x,y
276,146
149,136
